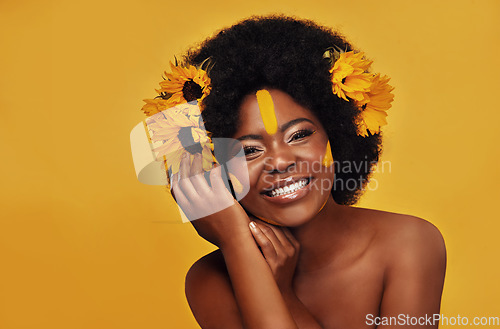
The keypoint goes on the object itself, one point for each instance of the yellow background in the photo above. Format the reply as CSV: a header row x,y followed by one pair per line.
x,y
83,244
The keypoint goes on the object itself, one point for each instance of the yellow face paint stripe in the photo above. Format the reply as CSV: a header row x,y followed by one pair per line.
x,y
328,159
266,107
237,186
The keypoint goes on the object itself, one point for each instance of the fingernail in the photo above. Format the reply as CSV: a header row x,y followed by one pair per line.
x,y
184,155
253,226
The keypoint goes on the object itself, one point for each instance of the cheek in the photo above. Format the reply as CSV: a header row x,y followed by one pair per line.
x,y
318,156
318,161
254,171
249,201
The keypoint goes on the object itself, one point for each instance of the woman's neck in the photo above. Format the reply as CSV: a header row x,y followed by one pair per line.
x,y
322,237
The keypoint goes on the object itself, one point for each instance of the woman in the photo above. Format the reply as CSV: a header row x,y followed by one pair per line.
x,y
293,253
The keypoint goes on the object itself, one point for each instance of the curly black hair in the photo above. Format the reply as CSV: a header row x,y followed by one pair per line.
x,y
286,53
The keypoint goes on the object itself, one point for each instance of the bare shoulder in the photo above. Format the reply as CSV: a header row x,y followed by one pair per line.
x,y
403,238
209,265
209,293
412,254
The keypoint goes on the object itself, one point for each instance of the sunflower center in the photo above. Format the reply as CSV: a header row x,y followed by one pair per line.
x,y
187,141
191,91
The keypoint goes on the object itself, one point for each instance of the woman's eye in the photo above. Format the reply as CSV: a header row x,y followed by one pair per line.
x,y
250,150
301,134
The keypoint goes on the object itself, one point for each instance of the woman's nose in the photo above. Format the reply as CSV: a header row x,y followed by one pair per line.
x,y
279,161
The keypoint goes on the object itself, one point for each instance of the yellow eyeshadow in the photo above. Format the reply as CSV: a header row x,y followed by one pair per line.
x,y
266,107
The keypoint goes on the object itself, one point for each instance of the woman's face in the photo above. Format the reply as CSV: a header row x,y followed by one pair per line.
x,y
288,177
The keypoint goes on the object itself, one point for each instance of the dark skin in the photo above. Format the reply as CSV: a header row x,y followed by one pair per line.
x,y
325,265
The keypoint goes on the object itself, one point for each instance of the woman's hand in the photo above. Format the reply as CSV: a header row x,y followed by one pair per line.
x,y
214,213
280,249
252,296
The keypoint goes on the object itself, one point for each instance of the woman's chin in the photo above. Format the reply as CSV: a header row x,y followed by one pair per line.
x,y
293,220
294,216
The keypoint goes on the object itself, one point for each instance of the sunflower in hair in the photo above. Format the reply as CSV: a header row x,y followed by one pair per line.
x,y
184,84
379,99
350,77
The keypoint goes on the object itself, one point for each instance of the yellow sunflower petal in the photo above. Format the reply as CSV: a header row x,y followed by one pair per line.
x,y
349,76
178,119
175,160
168,149
373,120
154,106
341,70
199,135
380,94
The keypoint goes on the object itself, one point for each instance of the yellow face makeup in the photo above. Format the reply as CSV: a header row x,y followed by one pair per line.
x,y
266,107
237,186
328,158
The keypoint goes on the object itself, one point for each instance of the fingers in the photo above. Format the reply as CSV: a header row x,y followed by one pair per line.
x,y
177,193
192,179
184,183
216,178
184,166
263,241
218,183
272,235
192,191
280,239
277,234
197,165
191,176
198,180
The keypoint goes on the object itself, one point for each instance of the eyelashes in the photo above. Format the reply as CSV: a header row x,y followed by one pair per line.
x,y
249,150
252,151
300,134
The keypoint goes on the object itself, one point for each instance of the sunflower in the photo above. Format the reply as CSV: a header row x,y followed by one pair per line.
x,y
184,84
349,76
154,106
379,101
177,131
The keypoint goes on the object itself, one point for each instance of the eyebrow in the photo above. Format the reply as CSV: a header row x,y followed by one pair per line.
x,y
282,129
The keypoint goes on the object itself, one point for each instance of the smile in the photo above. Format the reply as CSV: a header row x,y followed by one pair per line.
x,y
288,189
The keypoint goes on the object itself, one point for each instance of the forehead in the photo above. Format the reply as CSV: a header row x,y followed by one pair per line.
x,y
285,110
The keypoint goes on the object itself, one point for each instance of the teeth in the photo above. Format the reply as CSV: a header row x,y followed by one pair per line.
x,y
289,188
